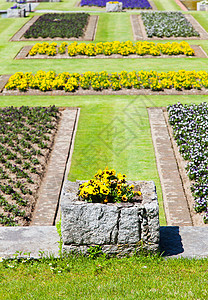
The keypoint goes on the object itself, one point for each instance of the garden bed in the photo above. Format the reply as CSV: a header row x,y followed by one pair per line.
x,y
29,191
89,31
140,33
131,83
54,52
189,128
127,5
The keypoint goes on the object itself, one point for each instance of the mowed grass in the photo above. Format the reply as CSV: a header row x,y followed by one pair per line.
x,y
127,278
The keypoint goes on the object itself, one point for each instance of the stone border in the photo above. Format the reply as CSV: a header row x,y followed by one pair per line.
x,y
24,54
47,204
89,34
174,200
181,5
196,217
139,31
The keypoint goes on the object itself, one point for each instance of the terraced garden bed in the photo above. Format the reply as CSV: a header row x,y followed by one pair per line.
x,y
26,138
58,27
166,25
190,126
129,4
94,82
110,50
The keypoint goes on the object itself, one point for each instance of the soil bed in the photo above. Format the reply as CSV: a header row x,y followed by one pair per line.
x,y
24,54
139,31
27,158
89,33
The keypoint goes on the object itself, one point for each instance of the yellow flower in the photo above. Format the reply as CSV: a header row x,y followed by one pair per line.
x,y
124,198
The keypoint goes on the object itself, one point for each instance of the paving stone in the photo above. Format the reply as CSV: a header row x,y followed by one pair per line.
x,y
29,239
175,203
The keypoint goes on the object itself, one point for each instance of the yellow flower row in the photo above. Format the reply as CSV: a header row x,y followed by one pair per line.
x,y
109,48
70,82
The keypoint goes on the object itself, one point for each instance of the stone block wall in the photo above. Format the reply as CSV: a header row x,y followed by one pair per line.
x,y
119,228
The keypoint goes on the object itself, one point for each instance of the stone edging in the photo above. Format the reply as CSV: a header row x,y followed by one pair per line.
x,y
24,54
177,197
139,31
89,34
47,204
174,200
196,217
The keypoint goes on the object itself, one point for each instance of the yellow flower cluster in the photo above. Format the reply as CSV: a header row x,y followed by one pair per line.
x,y
109,48
70,82
106,187
44,48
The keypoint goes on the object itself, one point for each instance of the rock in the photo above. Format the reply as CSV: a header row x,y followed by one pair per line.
x,y
119,228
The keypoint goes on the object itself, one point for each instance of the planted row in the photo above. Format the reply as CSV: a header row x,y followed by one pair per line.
x,y
109,48
167,24
70,82
26,135
143,4
58,25
190,127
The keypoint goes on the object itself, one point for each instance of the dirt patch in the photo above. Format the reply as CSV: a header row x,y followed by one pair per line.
x,y
139,31
24,54
89,34
197,218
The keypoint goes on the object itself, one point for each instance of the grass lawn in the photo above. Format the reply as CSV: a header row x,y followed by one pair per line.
x,y
128,278
113,131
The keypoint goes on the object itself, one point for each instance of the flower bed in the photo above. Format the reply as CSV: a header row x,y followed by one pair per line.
x,y
130,4
61,25
98,81
167,24
109,48
190,127
26,136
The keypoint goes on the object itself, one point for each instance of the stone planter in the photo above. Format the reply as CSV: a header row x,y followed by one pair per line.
x,y
16,13
114,7
119,228
202,6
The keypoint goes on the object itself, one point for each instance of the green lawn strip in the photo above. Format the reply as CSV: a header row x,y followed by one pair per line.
x,y
114,27
168,5
109,65
127,278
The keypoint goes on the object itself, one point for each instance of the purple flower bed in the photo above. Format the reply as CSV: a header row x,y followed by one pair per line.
x,y
126,3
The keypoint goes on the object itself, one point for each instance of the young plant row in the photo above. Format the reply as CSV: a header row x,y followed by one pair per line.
x,y
98,81
109,48
143,4
167,24
190,127
61,25
25,137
